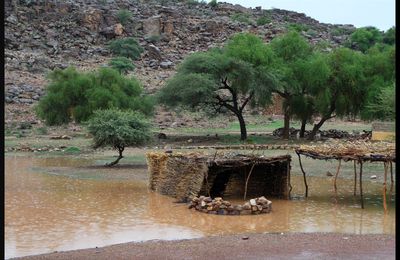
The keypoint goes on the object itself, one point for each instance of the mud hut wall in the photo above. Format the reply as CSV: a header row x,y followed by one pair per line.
x,y
181,178
156,164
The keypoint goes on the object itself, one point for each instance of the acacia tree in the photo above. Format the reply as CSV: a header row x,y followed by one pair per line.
x,y
345,91
311,74
290,50
118,129
226,79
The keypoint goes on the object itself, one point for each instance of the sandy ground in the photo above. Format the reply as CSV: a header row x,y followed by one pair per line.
x,y
245,246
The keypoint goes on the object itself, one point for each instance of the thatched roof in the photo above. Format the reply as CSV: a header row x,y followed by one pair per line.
x,y
355,150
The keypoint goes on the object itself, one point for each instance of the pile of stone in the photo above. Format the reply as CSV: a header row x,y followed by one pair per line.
x,y
219,206
331,133
23,93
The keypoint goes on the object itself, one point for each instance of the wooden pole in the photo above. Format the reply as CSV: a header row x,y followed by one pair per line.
x,y
391,181
304,175
337,173
288,177
247,180
361,192
355,178
384,186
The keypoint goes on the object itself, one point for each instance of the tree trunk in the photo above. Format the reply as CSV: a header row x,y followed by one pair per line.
x,y
303,127
243,131
317,127
120,150
286,123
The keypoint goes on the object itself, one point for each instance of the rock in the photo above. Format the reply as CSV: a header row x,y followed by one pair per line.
x,y
328,173
152,26
112,31
12,19
153,52
162,136
253,202
373,177
166,64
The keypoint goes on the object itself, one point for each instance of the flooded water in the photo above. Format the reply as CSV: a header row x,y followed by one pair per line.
x,y
57,204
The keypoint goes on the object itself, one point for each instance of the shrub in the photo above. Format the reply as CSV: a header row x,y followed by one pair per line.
x,y
72,150
124,16
213,3
126,47
153,38
263,20
73,95
121,64
42,130
118,129
297,27
242,18
192,2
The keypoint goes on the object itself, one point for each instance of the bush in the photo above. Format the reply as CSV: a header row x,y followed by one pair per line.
x,y
121,64
124,16
297,27
153,38
127,47
263,20
192,2
242,18
73,95
213,3
118,129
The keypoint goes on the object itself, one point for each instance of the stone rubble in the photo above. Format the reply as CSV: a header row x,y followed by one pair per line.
x,y
219,206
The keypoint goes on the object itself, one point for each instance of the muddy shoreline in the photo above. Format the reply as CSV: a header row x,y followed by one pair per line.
x,y
244,246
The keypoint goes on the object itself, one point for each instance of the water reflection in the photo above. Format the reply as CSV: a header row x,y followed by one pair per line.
x,y
54,204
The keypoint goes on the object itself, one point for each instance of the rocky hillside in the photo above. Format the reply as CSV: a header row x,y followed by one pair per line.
x,y
43,35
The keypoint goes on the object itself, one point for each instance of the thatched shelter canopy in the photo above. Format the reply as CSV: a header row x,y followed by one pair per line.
x,y
357,151
186,175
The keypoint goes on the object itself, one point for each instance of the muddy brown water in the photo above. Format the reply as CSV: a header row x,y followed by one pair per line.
x,y
57,204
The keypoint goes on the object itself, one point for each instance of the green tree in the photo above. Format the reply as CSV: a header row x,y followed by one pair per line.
x,y
124,16
290,50
389,36
226,79
383,107
118,129
121,64
364,38
126,47
345,92
73,95
213,3
311,74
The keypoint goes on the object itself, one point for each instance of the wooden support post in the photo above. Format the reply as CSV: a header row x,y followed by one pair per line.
x,y
304,175
337,173
361,192
391,181
247,180
355,178
384,186
288,177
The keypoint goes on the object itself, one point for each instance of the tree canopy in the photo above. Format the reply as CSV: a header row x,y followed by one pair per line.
x,y
224,79
74,95
118,129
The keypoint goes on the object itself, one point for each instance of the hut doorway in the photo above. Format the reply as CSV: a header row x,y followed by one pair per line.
x,y
219,185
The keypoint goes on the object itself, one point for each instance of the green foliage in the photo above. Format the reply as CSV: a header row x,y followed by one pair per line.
x,y
213,3
297,27
42,130
118,129
263,20
383,106
73,95
124,16
121,64
364,38
72,150
192,2
389,37
242,18
126,47
153,38
224,79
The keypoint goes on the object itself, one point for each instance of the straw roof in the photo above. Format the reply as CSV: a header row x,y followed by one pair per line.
x,y
350,150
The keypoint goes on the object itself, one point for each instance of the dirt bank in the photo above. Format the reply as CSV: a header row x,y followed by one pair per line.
x,y
250,246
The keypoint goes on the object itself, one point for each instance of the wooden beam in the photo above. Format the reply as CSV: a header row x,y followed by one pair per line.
x,y
337,173
384,186
304,174
391,181
355,178
361,192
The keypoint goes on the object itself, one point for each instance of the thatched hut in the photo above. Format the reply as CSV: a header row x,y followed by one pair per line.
x,y
185,176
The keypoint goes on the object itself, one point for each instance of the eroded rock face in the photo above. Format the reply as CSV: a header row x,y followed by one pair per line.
x,y
40,36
